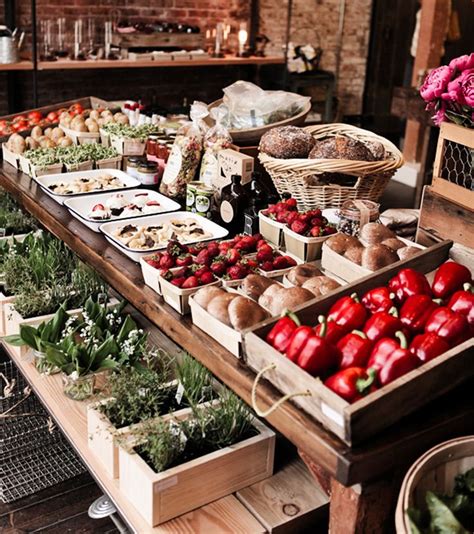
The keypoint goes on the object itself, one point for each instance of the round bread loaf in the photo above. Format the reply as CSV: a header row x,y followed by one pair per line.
x,y
341,147
287,142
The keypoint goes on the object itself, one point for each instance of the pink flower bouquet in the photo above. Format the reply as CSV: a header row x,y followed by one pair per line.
x,y
449,92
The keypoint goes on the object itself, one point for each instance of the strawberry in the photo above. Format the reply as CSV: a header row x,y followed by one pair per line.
x,y
265,254
204,258
224,246
316,221
190,282
166,274
213,249
329,230
316,231
299,227
291,218
195,249
251,264
233,256
247,243
154,260
261,243
178,282
183,260
267,266
291,203
182,271
199,270
175,248
236,272
98,207
167,261
206,278
305,217
219,266
279,263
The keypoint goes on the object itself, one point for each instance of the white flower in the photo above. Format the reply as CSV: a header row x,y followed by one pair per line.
x,y
74,376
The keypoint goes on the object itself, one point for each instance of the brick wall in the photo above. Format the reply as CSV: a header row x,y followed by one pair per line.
x,y
316,22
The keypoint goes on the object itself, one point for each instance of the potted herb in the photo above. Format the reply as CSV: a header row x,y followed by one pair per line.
x,y
137,395
74,158
165,464
13,221
46,334
40,161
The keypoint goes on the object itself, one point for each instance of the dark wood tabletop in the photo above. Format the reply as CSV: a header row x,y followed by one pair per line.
x,y
449,416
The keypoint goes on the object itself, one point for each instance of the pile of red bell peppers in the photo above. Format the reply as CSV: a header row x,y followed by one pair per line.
x,y
364,344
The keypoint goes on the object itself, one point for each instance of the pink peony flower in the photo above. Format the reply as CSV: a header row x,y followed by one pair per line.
x,y
467,87
462,62
435,83
440,115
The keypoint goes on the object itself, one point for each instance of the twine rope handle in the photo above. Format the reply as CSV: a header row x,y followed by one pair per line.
x,y
279,402
364,212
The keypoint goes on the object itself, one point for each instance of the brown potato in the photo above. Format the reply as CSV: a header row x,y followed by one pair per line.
x,y
393,243
244,313
36,132
285,298
341,242
16,143
31,143
321,285
354,254
56,134
407,252
375,257
218,307
301,273
65,141
372,233
204,295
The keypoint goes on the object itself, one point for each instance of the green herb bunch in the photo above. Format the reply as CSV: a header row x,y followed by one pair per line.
x,y
70,155
12,219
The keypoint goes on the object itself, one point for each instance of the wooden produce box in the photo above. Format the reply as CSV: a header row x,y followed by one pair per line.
x,y
442,218
158,40
10,157
160,497
81,138
356,422
346,269
271,230
177,297
128,147
303,247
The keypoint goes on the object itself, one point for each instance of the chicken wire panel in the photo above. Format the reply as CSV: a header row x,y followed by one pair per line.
x,y
12,386
458,164
27,474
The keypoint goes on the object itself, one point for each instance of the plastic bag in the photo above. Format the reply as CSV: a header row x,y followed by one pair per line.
x,y
185,155
216,139
251,107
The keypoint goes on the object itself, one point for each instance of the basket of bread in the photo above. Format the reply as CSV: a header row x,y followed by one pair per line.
x,y
323,166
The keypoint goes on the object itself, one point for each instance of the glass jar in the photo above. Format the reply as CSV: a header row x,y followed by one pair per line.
x,y
133,162
355,213
42,365
78,387
148,173
152,145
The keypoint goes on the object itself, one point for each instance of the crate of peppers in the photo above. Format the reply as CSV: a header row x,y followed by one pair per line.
x,y
374,351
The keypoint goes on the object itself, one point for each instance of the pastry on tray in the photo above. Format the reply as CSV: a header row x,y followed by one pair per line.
x,y
86,185
117,206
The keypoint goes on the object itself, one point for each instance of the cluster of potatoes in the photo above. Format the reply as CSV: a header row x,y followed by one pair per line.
x,y
50,138
93,122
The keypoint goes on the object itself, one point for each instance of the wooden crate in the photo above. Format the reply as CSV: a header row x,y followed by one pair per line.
x,y
441,218
177,297
158,40
346,269
453,176
162,496
3,301
271,230
304,248
356,422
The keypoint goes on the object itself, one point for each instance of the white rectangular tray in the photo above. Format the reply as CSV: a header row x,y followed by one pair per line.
x,y
81,206
107,228
46,180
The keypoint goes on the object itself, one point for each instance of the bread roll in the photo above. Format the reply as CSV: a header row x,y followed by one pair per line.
x,y
320,285
254,285
341,147
244,313
287,142
299,274
204,295
218,307
372,233
375,257
342,242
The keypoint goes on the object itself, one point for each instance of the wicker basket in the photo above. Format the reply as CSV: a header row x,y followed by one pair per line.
x,y
289,175
434,471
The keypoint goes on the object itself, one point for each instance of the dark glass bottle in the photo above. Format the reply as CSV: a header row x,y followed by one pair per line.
x,y
233,203
257,202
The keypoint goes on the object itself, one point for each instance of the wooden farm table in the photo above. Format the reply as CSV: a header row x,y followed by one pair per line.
x,y
362,480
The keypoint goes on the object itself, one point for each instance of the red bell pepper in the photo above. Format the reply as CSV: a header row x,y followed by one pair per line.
x,y
450,277
450,325
311,352
280,335
416,311
392,359
378,299
348,312
353,383
427,346
332,331
463,302
382,324
409,282
355,350
298,341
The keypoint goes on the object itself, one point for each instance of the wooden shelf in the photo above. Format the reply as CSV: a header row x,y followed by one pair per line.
x,y
450,416
68,64
21,65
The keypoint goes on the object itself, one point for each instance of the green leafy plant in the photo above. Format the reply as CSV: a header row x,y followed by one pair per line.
x,y
195,379
12,219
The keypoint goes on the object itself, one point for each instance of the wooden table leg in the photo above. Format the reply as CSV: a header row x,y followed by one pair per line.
x,y
367,509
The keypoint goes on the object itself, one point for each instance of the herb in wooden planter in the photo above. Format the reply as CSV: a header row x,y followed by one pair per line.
x,y
12,219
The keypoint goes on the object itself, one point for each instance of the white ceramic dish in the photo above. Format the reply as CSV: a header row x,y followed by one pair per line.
x,y
208,226
48,179
81,206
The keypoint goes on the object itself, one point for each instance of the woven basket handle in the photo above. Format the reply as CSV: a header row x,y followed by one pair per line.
x,y
279,402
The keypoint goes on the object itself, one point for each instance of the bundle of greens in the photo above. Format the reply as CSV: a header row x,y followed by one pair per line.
x,y
125,131
447,514
70,155
12,219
